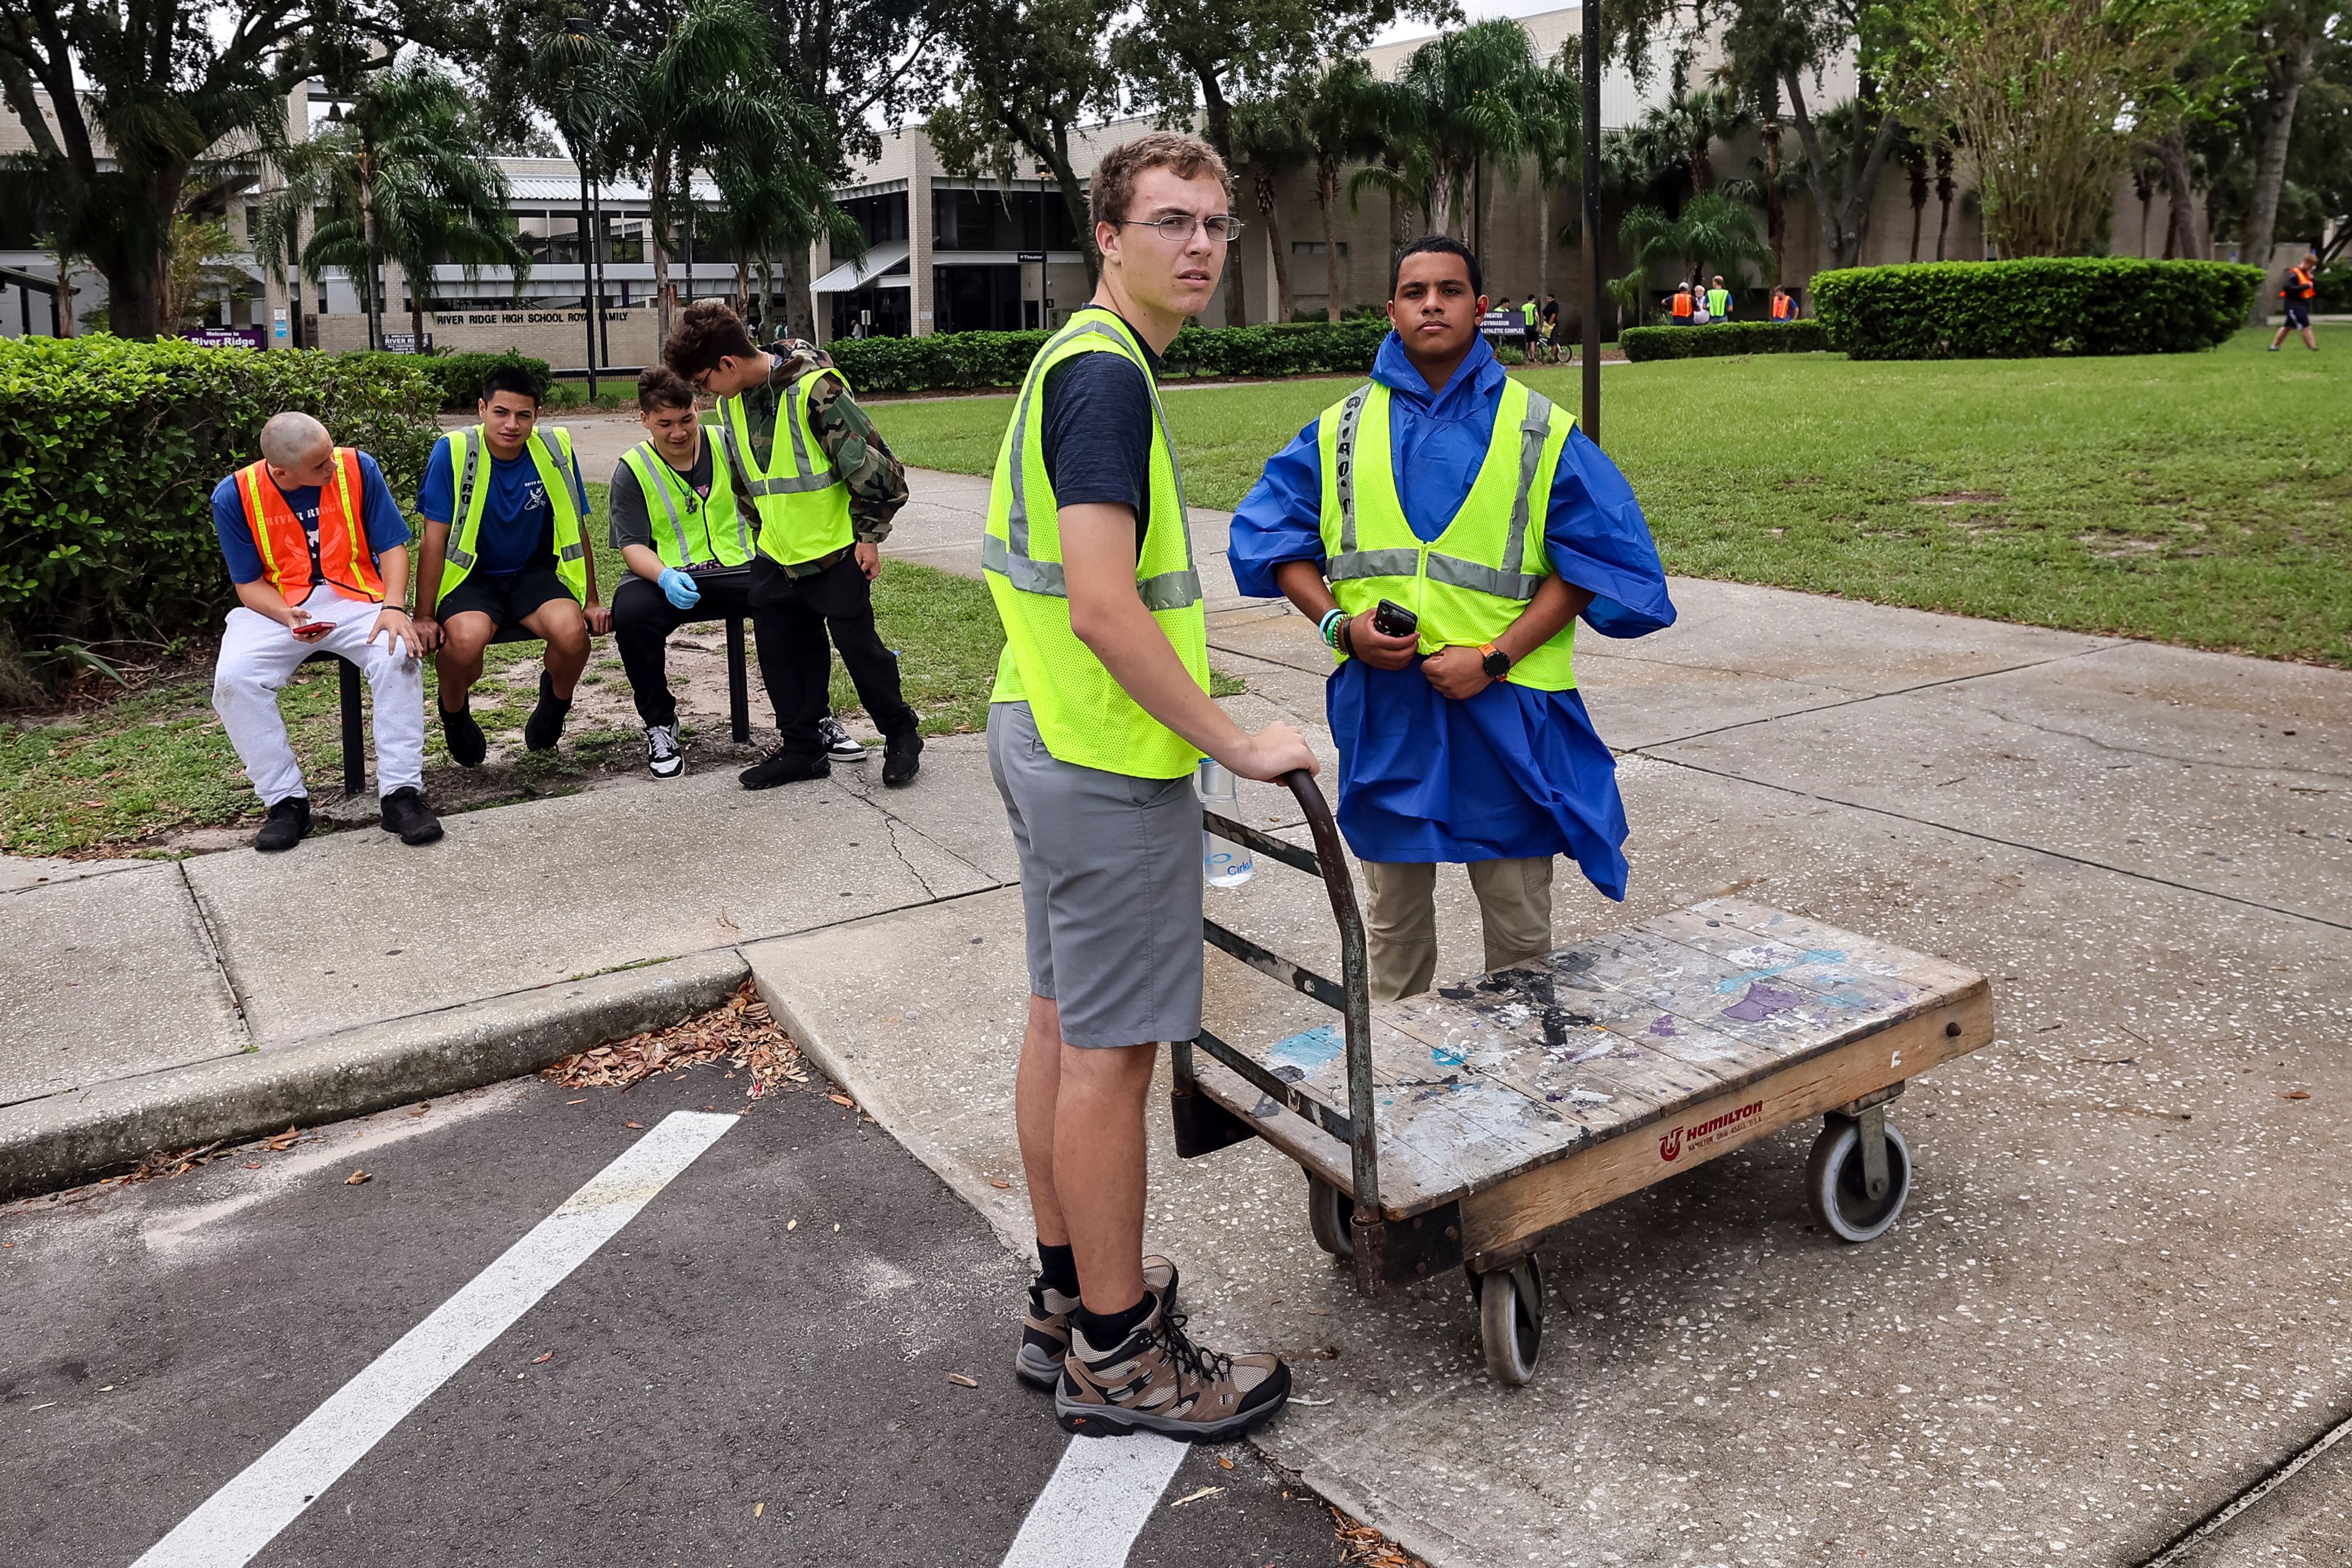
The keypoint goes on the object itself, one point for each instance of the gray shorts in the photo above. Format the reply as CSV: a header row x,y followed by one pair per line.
x,y
1110,884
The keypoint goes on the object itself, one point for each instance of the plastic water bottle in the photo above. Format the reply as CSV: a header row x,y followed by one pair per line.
x,y
1224,864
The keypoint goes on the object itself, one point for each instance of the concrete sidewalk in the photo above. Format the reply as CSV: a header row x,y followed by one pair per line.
x,y
2120,1296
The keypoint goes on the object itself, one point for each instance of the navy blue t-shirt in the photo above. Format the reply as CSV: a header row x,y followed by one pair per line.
x,y
379,517
517,521
1096,434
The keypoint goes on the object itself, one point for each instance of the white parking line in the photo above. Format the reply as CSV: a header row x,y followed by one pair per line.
x,y
1101,1495
237,1522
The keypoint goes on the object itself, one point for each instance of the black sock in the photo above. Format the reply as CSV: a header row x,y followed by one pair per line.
x,y
547,691
1106,1329
1057,1269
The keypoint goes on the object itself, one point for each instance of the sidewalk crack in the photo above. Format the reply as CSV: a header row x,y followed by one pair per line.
x,y
893,825
2163,756
217,954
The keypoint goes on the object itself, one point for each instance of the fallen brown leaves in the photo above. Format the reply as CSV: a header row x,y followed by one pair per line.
x,y
358,1179
741,1033
1362,1545
160,1166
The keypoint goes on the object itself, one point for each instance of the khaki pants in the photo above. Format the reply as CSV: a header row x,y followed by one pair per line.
x,y
1513,906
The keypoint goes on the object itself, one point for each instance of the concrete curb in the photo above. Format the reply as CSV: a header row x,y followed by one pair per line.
x,y
48,1143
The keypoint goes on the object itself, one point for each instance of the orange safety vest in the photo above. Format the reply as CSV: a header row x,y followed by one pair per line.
x,y
1783,308
1683,303
345,560
2297,285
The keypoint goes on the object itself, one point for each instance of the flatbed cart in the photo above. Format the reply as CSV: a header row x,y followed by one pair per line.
x,y
1458,1128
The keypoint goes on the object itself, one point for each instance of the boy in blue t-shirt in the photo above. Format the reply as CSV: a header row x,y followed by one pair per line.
x,y
515,575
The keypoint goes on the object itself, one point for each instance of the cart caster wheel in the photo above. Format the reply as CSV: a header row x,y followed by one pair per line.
x,y
1331,1214
1510,1321
1836,1190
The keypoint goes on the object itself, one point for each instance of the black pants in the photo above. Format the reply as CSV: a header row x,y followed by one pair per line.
x,y
642,618
794,615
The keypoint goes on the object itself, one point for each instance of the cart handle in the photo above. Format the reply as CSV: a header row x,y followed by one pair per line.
x,y
1355,974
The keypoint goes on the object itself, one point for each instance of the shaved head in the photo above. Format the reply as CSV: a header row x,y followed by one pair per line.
x,y
292,440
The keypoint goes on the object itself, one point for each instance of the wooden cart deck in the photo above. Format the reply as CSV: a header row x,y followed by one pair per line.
x,y
1623,1059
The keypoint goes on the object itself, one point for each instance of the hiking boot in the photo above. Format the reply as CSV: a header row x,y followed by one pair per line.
x,y
288,820
1158,1380
665,758
782,767
1046,1329
838,743
545,725
405,813
467,745
901,757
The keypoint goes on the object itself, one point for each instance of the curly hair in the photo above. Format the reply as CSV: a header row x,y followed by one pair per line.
x,y
708,331
1113,188
662,387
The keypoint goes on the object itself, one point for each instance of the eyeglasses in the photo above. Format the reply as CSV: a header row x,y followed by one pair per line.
x,y
1178,228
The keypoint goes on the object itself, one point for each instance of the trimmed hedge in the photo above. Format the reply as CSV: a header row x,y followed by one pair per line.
x,y
2048,305
457,378
948,361
2333,288
109,453
1719,337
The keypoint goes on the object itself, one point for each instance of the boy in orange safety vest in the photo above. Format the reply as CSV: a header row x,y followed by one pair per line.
x,y
1784,308
318,551
2302,284
1680,305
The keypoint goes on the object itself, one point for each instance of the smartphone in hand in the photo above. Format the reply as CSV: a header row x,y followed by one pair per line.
x,y
311,631
1392,619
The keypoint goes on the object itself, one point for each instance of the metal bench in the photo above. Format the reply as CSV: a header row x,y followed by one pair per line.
x,y
739,698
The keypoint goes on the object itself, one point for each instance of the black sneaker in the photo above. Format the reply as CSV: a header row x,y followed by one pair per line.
x,y
902,758
665,757
405,813
782,767
1045,1327
545,725
467,745
838,743
288,820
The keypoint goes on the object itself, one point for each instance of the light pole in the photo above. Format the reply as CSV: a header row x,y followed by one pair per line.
x,y
1591,19
576,30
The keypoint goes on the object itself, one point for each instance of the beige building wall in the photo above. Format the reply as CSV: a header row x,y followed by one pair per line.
x,y
557,336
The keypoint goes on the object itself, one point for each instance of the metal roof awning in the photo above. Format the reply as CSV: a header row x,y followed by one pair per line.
x,y
857,274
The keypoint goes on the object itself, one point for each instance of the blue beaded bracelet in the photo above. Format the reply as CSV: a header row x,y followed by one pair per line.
x,y
1331,625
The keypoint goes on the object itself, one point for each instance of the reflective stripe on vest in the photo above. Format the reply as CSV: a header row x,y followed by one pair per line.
x,y
470,496
1083,715
656,477
803,508
342,530
1468,585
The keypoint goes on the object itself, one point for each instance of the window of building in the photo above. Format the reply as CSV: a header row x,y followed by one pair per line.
x,y
995,219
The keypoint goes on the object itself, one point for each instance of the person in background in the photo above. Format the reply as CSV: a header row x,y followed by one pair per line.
x,y
1553,326
1476,505
2301,286
1100,712
318,553
1531,333
818,486
1718,300
504,508
1682,304
688,549
1784,305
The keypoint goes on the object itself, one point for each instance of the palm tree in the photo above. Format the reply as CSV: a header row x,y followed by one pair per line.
x,y
1643,233
578,77
1946,187
401,177
1555,122
1914,153
1268,136
1340,121
1470,85
1704,116
712,89
1717,233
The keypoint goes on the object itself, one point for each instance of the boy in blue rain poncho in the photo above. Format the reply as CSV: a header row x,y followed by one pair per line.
x,y
1453,492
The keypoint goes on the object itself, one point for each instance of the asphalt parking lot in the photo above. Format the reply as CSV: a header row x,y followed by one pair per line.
x,y
758,1366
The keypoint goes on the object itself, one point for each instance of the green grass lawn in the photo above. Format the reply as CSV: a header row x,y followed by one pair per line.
x,y
2196,499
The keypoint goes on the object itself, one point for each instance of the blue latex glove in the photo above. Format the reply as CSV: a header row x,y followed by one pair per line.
x,y
678,588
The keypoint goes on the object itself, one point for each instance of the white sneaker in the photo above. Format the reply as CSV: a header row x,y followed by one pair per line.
x,y
838,743
665,757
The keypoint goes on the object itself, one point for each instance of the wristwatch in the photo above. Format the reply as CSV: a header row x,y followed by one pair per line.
x,y
1496,663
